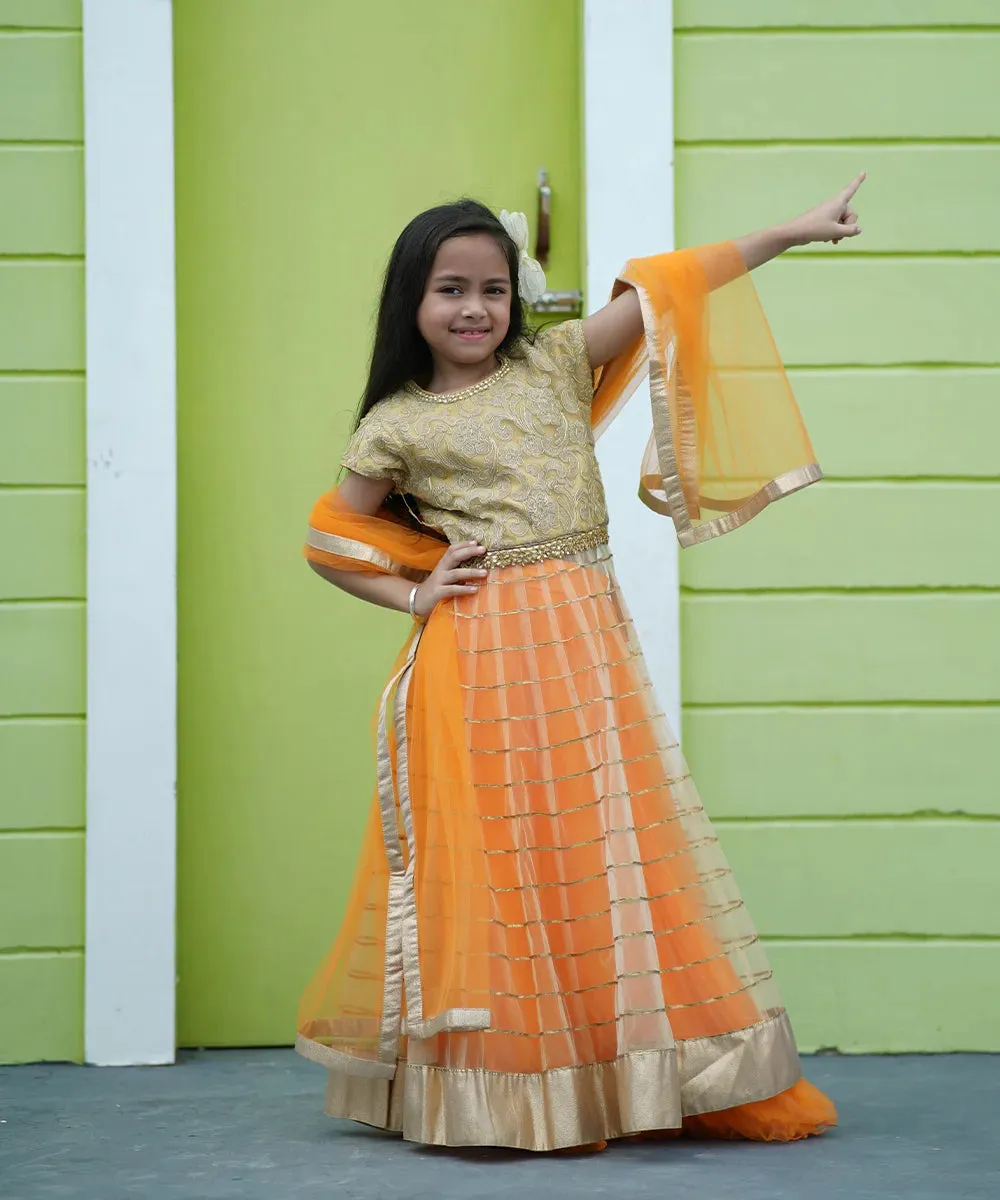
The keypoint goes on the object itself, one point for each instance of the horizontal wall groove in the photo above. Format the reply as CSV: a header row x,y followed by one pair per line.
x,y
9,952
58,31
44,602
933,817
38,30
840,143
20,143
956,939
895,481
7,376
858,251
41,718
10,718
27,259
895,703
854,590
873,368
57,489
705,31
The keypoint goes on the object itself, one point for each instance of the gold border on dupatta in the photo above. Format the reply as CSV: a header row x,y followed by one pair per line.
x,y
332,543
670,483
402,945
776,489
639,1091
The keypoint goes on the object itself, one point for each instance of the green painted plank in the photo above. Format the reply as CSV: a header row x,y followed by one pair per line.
x,y
41,87
900,412
859,535
41,200
693,14
42,765
793,648
42,14
42,650
791,86
41,1008
42,431
890,997
868,311
829,762
42,545
724,191
41,891
845,878
43,326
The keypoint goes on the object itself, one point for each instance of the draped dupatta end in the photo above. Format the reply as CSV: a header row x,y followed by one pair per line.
x,y
727,437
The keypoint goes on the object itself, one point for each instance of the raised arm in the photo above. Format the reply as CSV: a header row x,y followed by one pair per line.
x,y
616,326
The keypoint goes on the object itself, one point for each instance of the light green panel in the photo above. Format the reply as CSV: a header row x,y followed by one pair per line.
x,y
725,191
891,997
43,539
42,651
809,648
42,765
890,423
41,87
43,325
840,878
41,891
830,762
762,13
869,311
42,431
284,227
858,535
41,1008
792,86
42,14
41,200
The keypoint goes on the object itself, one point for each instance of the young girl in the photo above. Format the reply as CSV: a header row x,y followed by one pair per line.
x,y
544,947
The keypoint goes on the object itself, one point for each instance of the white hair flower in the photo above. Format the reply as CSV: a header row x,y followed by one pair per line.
x,y
530,276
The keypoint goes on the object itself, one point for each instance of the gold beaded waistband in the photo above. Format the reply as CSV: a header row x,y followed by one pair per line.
x,y
534,552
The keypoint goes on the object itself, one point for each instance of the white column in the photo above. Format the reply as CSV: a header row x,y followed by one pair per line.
x,y
131,532
628,102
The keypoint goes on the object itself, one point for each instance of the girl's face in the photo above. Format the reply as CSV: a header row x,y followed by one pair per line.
x,y
465,312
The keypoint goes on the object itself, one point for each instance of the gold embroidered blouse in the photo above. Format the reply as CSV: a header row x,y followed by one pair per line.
x,y
506,462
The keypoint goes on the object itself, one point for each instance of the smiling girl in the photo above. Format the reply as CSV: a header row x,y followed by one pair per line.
x,y
545,947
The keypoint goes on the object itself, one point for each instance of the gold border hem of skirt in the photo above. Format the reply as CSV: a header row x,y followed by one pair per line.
x,y
571,1106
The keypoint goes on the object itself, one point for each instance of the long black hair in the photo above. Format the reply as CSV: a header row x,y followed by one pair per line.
x,y
399,352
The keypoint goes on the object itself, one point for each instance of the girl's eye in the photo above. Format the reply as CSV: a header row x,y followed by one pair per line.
x,y
450,290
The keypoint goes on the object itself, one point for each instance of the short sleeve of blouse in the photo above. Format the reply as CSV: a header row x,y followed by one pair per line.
x,y
562,350
372,450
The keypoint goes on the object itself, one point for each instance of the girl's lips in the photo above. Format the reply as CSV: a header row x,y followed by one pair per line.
x,y
472,335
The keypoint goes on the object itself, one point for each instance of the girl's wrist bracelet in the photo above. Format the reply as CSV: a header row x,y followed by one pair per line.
x,y
411,605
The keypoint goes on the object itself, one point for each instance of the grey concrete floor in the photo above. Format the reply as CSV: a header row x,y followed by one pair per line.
x,y
249,1124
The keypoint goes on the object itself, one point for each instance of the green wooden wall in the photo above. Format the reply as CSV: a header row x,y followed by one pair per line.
x,y
42,526
841,657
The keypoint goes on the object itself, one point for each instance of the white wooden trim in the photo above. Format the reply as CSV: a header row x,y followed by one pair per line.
x,y
131,532
629,198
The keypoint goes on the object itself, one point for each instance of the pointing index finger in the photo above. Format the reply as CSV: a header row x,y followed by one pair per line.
x,y
852,187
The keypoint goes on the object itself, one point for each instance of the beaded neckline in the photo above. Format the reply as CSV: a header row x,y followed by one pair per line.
x,y
449,397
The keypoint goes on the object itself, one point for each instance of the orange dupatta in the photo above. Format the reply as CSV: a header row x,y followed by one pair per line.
x,y
727,437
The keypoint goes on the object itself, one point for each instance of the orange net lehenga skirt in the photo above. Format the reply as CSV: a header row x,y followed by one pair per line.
x,y
545,946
